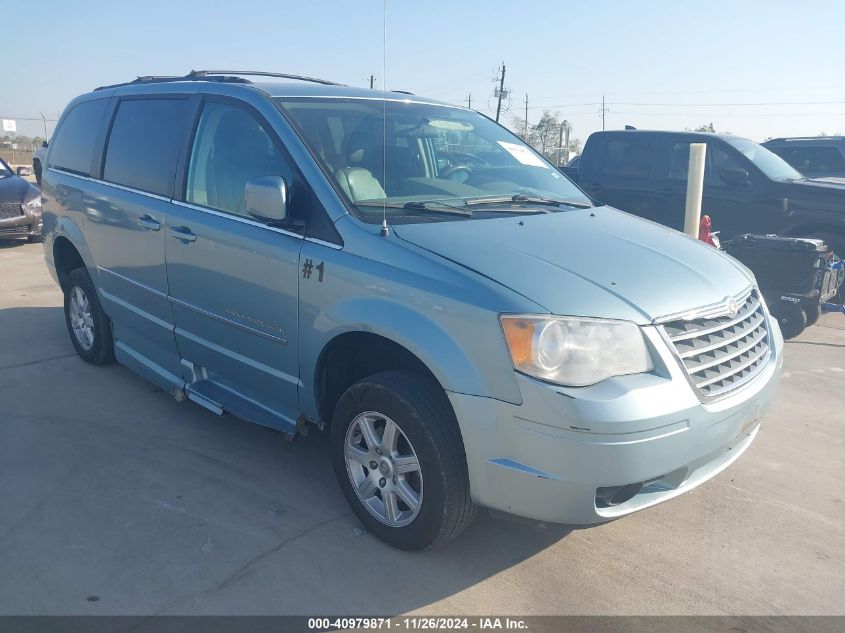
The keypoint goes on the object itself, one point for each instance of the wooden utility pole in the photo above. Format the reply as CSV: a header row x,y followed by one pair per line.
x,y
603,111
566,128
526,118
469,101
560,142
372,81
501,92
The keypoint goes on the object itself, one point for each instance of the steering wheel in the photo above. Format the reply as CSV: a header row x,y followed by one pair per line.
x,y
457,173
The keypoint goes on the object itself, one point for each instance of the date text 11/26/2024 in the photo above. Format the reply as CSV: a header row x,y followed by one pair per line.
x,y
418,623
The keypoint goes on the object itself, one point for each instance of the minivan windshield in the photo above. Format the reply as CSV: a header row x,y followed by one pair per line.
x,y
767,161
426,160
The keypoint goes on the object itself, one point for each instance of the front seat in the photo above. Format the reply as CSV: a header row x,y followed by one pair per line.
x,y
356,180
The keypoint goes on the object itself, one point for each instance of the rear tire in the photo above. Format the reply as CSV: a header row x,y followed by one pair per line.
x,y
381,474
87,323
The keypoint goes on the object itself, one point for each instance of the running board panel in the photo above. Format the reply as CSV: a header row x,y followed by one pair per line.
x,y
218,399
203,401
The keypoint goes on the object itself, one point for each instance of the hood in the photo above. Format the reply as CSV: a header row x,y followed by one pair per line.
x,y
13,189
834,186
596,262
817,194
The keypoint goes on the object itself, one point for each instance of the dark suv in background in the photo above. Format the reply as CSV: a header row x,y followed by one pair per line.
x,y
747,188
815,156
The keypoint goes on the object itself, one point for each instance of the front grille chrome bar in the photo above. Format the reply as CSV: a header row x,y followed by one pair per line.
x,y
723,349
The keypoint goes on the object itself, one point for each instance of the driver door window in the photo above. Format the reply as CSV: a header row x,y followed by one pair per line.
x,y
231,148
717,160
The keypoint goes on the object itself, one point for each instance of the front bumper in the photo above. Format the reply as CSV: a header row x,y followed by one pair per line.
x,y
27,224
559,455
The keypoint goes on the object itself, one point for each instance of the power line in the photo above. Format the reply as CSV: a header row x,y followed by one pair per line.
x,y
792,88
564,105
730,114
697,105
24,118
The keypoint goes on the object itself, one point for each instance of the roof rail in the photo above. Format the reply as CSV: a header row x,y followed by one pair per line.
x,y
202,74
805,138
225,76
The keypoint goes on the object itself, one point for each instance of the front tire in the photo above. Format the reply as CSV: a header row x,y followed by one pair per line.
x,y
87,323
400,462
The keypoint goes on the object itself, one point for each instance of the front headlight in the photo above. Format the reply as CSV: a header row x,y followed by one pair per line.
x,y
32,201
575,352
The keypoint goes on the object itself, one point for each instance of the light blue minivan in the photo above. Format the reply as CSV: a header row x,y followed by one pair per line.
x,y
414,279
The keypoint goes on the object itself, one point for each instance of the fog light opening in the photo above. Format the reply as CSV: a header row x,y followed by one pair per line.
x,y
615,495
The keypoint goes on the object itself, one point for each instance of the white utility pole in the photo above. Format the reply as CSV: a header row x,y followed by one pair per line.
x,y
695,188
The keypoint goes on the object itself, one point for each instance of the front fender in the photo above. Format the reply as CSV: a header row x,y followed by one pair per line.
x,y
444,314
417,333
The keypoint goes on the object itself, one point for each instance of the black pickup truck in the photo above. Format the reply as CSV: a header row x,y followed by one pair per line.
x,y
747,188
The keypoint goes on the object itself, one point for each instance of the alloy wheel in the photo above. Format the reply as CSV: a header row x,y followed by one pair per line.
x,y
384,469
81,319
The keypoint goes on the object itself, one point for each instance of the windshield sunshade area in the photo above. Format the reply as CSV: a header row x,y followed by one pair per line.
x,y
425,162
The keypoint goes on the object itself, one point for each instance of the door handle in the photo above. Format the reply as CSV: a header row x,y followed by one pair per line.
x,y
182,233
148,223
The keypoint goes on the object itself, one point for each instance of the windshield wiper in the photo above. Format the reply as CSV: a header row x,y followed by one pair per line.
x,y
430,206
437,207
521,197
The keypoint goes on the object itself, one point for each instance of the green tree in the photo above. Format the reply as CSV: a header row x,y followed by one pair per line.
x,y
706,128
544,133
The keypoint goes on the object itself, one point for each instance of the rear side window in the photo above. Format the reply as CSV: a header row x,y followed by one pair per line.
x,y
72,147
628,158
144,144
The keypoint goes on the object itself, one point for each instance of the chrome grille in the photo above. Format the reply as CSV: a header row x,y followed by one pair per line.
x,y
10,210
722,352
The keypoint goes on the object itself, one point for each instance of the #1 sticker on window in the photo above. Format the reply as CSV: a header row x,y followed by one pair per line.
x,y
523,154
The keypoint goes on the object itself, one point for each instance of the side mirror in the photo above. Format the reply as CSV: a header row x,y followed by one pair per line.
x,y
43,143
24,171
734,176
267,198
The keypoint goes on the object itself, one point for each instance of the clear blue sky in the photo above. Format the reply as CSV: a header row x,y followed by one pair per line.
x,y
666,65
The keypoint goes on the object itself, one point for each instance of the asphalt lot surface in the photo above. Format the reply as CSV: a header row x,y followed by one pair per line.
x,y
116,499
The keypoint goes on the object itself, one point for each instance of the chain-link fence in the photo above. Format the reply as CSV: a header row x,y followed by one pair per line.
x,y
21,136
